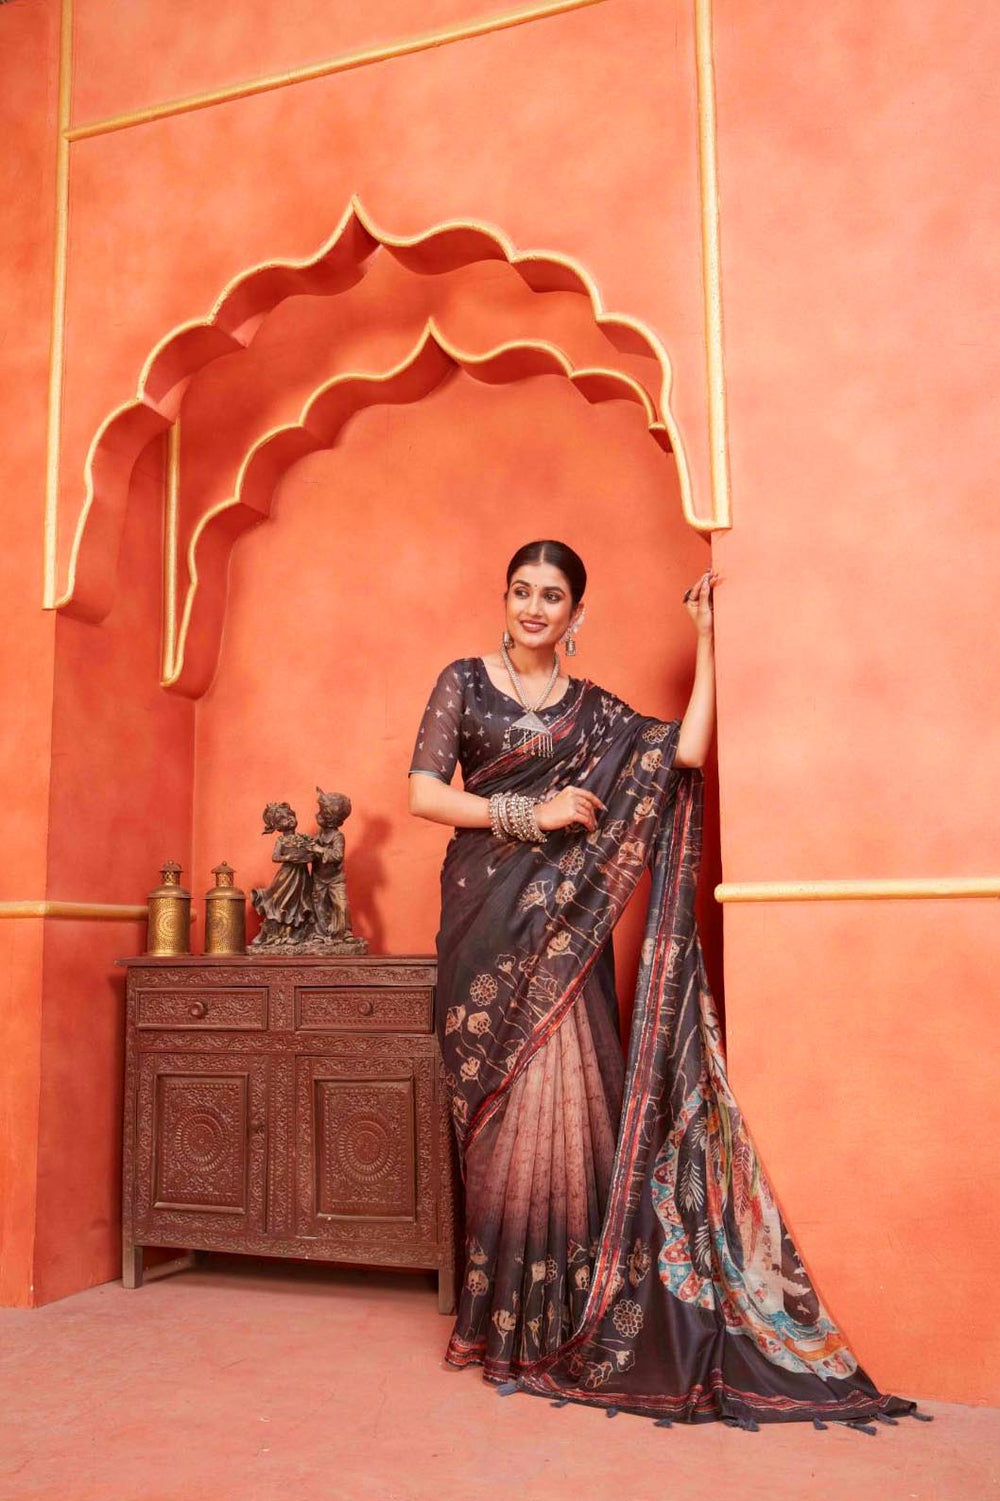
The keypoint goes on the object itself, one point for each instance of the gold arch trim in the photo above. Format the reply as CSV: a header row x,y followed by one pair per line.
x,y
91,911
720,512
57,328
248,297
924,888
711,265
433,359
348,61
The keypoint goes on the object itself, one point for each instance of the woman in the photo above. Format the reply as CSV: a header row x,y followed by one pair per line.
x,y
623,1245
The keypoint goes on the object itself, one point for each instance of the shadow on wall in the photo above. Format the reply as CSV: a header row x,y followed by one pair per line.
x,y
366,878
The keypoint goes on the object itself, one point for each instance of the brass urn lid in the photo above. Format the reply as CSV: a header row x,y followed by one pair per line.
x,y
224,888
171,887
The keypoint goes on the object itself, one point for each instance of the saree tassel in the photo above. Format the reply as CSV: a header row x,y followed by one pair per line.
x,y
883,1417
664,1423
818,1423
860,1427
508,1388
921,1417
611,1412
560,1402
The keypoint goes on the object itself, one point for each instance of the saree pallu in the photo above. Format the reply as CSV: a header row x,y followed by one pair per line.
x,y
624,1247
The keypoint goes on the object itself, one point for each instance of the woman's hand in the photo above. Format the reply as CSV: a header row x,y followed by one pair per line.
x,y
571,805
699,602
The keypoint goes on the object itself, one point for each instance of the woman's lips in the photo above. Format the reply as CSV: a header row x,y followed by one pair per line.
x,y
530,625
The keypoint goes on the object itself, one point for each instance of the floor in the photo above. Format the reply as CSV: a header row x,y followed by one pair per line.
x,y
246,1380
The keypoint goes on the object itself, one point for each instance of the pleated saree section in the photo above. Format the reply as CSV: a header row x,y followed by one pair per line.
x,y
537,1179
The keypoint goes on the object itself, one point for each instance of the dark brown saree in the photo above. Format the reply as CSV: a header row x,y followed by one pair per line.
x,y
623,1244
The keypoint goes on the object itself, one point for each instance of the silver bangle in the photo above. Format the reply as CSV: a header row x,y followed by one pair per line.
x,y
513,816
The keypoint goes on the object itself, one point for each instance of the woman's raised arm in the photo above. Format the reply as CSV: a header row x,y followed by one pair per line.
x,y
699,718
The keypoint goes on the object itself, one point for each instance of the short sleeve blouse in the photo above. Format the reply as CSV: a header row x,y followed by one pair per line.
x,y
467,718
439,736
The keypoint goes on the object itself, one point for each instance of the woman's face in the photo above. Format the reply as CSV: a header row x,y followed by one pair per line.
x,y
539,605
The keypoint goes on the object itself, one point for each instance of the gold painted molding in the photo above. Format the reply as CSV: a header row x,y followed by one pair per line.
x,y
924,888
348,61
708,171
340,263
429,363
92,911
171,530
719,516
57,332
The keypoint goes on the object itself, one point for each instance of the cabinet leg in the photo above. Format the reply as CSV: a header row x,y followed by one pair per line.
x,y
131,1264
446,1289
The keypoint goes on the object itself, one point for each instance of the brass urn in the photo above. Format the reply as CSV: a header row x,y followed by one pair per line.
x,y
225,914
169,927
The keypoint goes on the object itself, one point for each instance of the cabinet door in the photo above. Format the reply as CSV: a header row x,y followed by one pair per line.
x,y
200,1149
366,1178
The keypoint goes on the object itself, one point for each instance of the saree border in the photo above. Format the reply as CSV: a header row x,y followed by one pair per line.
x,y
534,1377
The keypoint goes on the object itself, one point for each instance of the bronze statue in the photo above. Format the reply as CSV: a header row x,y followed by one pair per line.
x,y
285,907
333,917
305,910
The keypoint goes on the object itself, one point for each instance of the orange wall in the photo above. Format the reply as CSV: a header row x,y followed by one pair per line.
x,y
120,804
27,160
859,734
856,738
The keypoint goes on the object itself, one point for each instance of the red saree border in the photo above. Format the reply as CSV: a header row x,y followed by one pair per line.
x,y
558,729
635,1105
543,1032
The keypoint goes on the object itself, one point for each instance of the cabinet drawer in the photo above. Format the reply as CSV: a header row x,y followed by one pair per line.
x,y
342,1009
238,1008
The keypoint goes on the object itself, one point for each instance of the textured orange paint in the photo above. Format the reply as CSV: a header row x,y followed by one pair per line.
x,y
121,799
857,642
134,53
165,215
859,204
27,159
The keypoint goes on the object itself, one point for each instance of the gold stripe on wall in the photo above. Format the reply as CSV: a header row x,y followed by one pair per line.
x,y
58,327
93,911
915,889
171,520
718,422
343,64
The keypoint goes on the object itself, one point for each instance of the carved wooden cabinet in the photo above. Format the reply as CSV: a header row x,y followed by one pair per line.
x,y
287,1107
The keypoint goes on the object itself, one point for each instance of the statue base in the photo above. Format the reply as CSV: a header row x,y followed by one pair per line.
x,y
321,946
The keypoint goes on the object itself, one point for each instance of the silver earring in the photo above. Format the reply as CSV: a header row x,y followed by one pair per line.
x,y
508,639
571,633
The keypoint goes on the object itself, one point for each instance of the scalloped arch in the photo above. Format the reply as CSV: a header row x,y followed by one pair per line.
x,y
191,657
234,319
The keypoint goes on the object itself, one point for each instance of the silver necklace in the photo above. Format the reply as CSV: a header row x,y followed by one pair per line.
x,y
533,734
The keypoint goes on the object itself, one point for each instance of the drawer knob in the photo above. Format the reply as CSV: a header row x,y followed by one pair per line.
x,y
199,1008
366,1008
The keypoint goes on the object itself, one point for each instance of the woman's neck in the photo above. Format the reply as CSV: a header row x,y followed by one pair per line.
x,y
530,663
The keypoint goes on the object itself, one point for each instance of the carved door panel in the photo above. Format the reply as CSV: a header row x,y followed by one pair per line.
x,y
366,1171
201,1148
